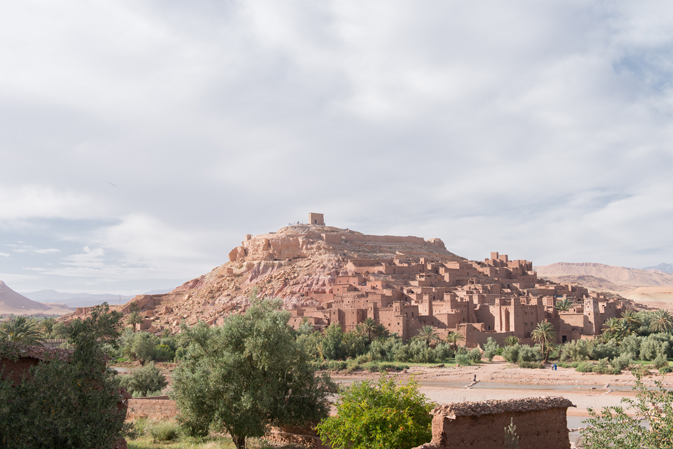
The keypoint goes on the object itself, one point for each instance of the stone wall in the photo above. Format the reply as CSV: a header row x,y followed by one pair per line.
x,y
540,423
159,407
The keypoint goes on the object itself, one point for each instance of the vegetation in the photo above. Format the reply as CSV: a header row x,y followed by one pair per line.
x,y
246,375
379,415
21,330
66,404
545,335
564,305
614,428
146,380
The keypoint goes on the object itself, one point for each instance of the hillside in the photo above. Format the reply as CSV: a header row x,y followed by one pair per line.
x,y
13,302
624,278
289,264
652,288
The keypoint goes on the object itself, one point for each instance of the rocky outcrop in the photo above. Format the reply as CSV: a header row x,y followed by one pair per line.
x,y
291,264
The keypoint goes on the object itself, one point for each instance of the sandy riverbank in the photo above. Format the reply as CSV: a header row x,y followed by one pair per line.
x,y
585,390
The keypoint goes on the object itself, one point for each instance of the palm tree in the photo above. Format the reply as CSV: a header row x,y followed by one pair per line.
x,y
134,318
427,334
511,340
614,328
564,305
662,321
544,334
381,331
453,338
631,319
368,327
21,330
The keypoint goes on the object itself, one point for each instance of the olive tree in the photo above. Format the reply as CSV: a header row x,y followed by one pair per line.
x,y
248,374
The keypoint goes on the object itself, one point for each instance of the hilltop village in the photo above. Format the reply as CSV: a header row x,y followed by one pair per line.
x,y
330,275
494,298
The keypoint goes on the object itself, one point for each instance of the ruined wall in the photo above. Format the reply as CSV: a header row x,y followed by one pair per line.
x,y
159,407
540,423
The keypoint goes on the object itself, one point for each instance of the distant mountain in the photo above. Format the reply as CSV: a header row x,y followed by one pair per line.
x,y
13,302
665,267
83,299
625,278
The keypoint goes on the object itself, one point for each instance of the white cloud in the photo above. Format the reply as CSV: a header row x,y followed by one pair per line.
x,y
157,134
5,255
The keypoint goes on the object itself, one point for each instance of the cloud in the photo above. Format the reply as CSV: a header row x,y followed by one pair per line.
x,y
28,249
157,134
5,255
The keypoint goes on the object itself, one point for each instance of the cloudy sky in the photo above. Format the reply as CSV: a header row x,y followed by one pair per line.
x,y
140,140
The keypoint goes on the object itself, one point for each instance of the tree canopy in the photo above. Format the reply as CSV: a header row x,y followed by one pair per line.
x,y
379,416
248,374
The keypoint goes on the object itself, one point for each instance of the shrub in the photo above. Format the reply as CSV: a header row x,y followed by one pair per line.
x,y
511,353
381,415
463,360
614,428
164,431
602,367
665,369
474,355
528,354
533,365
164,353
144,380
584,367
490,349
660,361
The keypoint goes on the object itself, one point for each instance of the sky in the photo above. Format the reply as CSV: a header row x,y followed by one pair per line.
x,y
141,140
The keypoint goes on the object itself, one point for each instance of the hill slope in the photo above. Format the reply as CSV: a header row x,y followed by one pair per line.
x,y
13,302
622,277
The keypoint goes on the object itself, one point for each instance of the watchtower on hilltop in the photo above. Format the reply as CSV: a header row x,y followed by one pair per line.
x,y
316,219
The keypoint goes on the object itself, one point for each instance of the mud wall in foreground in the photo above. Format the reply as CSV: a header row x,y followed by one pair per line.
x,y
540,424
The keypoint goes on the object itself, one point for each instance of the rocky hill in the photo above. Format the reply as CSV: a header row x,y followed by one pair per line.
x,y
13,302
289,264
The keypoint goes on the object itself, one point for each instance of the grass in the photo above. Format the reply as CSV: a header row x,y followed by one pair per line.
x,y
168,435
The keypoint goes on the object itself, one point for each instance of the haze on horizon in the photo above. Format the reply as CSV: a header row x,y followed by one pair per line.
x,y
140,140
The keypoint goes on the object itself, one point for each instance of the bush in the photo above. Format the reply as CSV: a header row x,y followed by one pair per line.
x,y
511,353
164,431
584,367
475,355
463,360
380,415
144,380
164,353
528,354
665,369
602,367
660,361
490,349
533,365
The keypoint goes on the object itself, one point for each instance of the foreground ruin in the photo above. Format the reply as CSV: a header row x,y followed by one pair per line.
x,y
330,275
540,423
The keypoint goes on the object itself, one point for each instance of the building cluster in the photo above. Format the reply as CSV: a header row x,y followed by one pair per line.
x,y
494,298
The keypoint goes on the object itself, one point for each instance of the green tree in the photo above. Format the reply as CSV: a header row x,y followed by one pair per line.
x,y
453,338
21,330
511,340
147,379
428,334
330,346
248,374
564,305
368,328
378,416
134,318
621,428
631,319
544,334
661,321
71,404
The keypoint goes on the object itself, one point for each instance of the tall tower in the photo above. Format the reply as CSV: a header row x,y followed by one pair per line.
x,y
316,219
